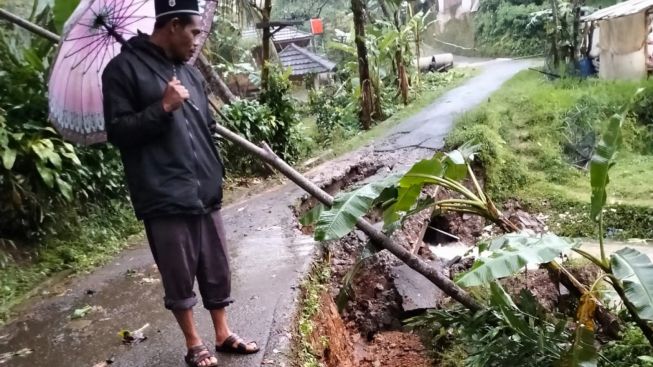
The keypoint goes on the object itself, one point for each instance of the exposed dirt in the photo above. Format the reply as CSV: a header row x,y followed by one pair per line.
x,y
330,340
337,346
465,228
539,283
375,304
368,330
354,174
391,348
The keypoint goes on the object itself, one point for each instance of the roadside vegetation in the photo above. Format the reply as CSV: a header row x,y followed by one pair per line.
x,y
574,150
511,28
537,138
65,209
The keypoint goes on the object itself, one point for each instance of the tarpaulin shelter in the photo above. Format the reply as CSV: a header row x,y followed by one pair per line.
x,y
620,36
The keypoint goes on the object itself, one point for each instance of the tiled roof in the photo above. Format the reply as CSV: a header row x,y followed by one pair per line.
x,y
301,61
284,35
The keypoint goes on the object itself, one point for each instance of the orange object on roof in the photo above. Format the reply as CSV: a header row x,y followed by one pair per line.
x,y
316,26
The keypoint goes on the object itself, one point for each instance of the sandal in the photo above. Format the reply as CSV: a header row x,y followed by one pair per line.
x,y
239,348
198,354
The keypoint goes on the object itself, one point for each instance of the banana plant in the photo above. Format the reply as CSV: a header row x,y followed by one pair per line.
x,y
419,24
378,71
394,43
399,196
628,271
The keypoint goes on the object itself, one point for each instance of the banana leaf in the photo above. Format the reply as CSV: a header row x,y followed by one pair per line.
x,y
583,352
511,253
635,270
348,208
602,161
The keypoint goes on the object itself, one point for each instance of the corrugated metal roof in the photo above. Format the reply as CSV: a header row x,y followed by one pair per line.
x,y
302,61
620,10
284,35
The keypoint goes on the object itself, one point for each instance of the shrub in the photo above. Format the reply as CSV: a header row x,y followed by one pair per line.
x,y
287,138
501,28
626,352
254,122
504,172
335,113
40,174
490,338
642,108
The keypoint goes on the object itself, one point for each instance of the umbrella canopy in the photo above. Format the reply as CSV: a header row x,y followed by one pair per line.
x,y
87,45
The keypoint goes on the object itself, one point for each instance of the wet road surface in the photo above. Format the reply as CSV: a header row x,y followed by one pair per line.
x,y
269,258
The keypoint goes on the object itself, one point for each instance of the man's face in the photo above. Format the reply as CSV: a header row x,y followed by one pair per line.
x,y
184,39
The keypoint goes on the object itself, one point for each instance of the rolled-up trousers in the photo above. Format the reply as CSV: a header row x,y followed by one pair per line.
x,y
186,247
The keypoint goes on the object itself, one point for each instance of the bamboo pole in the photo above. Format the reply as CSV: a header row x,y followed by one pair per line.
x,y
28,25
377,237
267,155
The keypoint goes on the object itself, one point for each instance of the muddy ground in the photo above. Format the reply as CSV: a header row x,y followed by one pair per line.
x,y
269,258
364,325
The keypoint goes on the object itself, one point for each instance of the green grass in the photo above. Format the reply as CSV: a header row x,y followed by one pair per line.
x,y
91,240
99,233
418,103
311,289
522,130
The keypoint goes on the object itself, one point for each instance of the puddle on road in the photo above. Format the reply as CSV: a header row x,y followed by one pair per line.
x,y
89,337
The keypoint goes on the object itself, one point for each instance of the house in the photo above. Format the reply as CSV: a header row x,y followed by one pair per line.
x,y
281,38
620,39
303,62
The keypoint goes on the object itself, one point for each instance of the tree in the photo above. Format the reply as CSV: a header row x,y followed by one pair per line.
x,y
216,84
367,91
266,11
561,23
247,12
391,10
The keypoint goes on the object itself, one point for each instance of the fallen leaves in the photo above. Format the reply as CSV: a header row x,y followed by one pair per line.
x,y
149,280
82,312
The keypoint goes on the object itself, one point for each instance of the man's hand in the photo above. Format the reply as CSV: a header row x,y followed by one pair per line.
x,y
174,95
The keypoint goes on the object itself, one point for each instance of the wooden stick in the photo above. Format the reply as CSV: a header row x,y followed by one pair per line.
x,y
377,237
268,156
28,25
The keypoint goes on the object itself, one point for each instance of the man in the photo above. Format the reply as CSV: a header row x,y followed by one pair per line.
x,y
156,113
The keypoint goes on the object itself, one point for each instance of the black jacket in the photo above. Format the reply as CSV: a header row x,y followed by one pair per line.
x,y
171,163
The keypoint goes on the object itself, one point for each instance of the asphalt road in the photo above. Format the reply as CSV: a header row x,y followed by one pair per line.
x,y
268,255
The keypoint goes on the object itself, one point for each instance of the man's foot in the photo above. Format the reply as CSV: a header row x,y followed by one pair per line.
x,y
200,356
236,345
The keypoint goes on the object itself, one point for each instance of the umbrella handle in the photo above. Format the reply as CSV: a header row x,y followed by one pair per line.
x,y
112,32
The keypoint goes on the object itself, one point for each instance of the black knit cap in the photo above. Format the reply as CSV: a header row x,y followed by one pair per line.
x,y
173,7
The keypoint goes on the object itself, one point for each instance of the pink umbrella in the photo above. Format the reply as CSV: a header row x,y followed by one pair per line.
x,y
92,36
